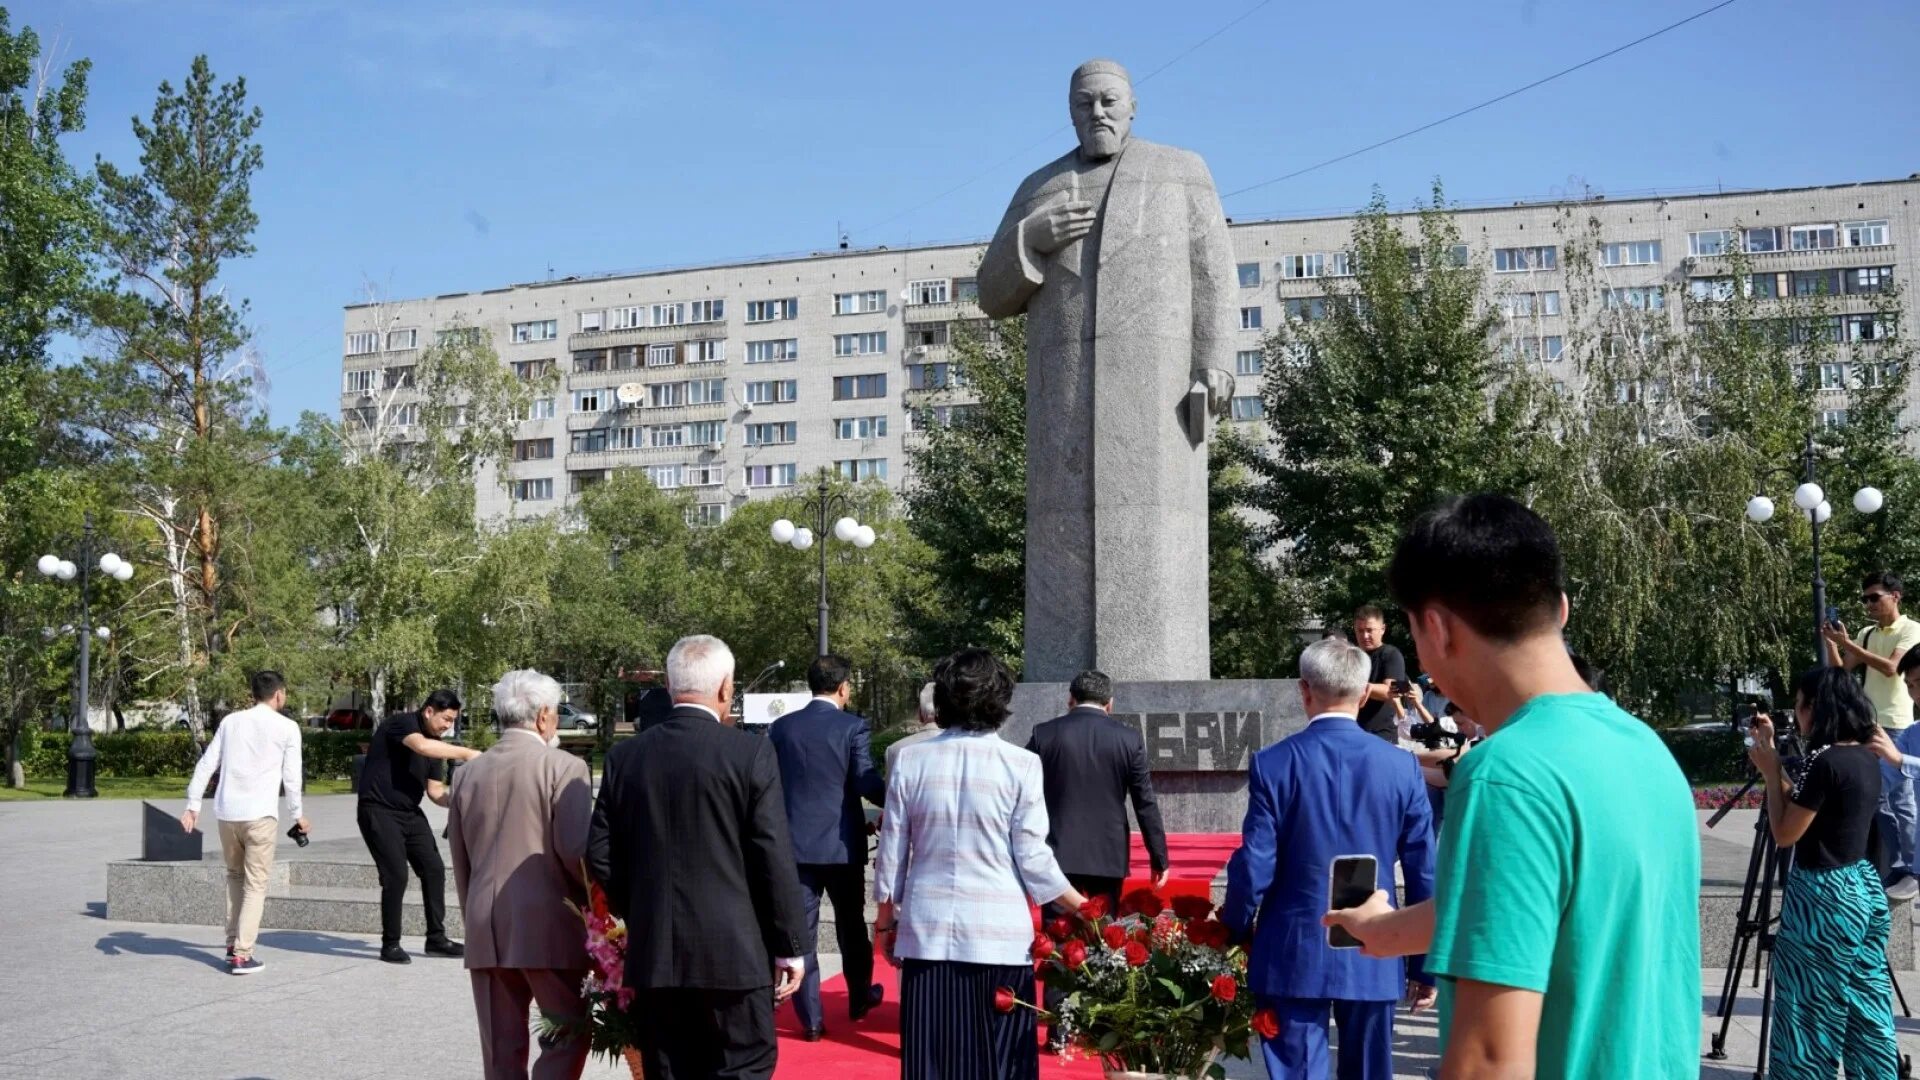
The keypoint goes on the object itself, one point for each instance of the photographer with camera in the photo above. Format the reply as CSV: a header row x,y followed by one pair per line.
x,y
1878,651
1833,1000
1386,672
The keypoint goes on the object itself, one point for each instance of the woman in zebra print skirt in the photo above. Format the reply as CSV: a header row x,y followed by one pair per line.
x,y
1833,1001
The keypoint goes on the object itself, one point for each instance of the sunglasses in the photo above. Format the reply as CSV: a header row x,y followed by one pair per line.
x,y
1873,597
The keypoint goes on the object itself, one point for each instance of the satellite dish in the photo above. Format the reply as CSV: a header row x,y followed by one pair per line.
x,y
630,393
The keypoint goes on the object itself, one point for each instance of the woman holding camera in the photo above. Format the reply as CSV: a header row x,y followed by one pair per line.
x,y
1832,998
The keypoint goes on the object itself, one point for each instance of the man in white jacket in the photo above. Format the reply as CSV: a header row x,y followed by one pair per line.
x,y
256,751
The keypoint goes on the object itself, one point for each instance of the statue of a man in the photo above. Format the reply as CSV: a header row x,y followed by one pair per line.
x,y
1118,254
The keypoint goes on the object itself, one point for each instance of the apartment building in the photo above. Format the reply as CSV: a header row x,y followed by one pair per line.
x,y
738,381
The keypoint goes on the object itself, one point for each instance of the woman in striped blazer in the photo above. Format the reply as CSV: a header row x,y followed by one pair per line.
x,y
963,850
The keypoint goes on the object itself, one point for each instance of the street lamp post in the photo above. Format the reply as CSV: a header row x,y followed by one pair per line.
x,y
1812,501
80,752
822,503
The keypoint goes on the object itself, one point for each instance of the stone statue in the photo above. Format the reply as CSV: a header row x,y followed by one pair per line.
x,y
1118,254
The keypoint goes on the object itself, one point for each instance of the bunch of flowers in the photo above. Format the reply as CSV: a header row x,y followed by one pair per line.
x,y
609,1025
1150,988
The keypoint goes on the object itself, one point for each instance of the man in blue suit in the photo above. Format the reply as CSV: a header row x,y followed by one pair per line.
x,y
1329,791
826,768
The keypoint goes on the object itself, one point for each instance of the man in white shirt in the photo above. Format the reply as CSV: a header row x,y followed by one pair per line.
x,y
256,751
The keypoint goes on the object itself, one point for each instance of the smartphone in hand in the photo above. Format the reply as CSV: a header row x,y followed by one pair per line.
x,y
1350,881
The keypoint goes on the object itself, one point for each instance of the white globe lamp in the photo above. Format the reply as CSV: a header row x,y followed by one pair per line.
x,y
783,531
1822,512
67,570
49,565
864,537
845,530
110,564
124,572
102,633
1759,508
802,539
1868,500
1807,496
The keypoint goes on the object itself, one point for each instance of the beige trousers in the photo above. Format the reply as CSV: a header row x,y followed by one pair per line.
x,y
501,999
248,848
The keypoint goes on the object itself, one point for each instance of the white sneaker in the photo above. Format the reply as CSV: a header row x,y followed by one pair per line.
x,y
1906,888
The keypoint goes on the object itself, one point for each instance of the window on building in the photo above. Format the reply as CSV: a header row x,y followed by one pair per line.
x,y
592,322
589,361
1813,237
401,340
537,330
599,399
591,441
859,387
1710,242
667,314
1868,328
1528,304
706,513
628,318
708,351
927,334
778,351
580,481
1250,318
1249,407
711,474
1865,233
360,382
363,342
532,449
540,490
531,370
624,358
1305,308
707,311
764,476
666,395
1815,282
538,409
862,469
930,377
664,477
1302,266
712,433
1638,298
867,344
1631,253
1342,264
966,290
1764,286
664,435
781,434
1831,419
934,291
397,378
1249,275
773,310
659,356
1249,362
771,391
1761,240
860,427
707,392
1868,376
860,303
1518,259
1711,290
1552,346
1868,279
1833,376
1824,330
459,335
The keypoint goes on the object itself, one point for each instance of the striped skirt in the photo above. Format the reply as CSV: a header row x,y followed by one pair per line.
x,y
950,1029
1832,999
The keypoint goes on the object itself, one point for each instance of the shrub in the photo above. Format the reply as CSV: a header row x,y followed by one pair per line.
x,y
323,754
1708,757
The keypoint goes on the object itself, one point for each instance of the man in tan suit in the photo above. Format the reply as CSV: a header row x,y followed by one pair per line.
x,y
518,826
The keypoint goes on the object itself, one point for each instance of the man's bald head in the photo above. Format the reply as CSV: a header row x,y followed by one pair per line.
x,y
1100,96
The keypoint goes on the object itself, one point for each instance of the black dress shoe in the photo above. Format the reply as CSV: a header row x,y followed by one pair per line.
x,y
875,994
394,954
814,1034
443,947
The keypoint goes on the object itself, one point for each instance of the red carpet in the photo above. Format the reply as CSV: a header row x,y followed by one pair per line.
x,y
870,1050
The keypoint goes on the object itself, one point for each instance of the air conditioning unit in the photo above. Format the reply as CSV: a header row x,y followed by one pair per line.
x,y
919,350
717,445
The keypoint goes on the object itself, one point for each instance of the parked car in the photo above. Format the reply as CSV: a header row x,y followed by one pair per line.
x,y
576,719
349,720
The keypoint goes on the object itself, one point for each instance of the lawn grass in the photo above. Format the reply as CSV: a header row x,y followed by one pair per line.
x,y
166,788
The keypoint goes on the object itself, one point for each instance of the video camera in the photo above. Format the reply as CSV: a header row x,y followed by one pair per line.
x,y
1786,737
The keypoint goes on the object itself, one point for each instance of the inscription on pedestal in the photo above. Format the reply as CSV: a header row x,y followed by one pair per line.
x,y
1198,741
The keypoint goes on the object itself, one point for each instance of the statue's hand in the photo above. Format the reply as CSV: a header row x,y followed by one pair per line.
x,y
1058,224
1219,393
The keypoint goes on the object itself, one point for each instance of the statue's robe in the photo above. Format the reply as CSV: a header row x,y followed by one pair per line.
x,y
1119,326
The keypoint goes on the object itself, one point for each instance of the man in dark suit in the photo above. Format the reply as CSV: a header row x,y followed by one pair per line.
x,y
1329,791
690,842
826,768
1092,764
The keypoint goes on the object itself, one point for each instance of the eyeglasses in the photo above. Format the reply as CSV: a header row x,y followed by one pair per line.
x,y
1873,597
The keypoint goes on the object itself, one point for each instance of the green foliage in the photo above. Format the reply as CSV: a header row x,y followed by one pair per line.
x,y
324,755
1708,757
1255,605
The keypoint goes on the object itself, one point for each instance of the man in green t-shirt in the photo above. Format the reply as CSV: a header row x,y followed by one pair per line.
x,y
1565,923
1877,650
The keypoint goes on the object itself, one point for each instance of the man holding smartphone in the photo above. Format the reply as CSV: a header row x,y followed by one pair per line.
x,y
1386,673
1565,925
1878,651
1329,812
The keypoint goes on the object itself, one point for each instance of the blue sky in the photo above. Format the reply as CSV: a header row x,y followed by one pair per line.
x,y
430,147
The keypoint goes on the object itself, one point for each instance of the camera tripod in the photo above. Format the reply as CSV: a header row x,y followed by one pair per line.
x,y
1754,933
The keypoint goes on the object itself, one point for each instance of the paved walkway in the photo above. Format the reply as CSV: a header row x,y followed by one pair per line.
x,y
87,998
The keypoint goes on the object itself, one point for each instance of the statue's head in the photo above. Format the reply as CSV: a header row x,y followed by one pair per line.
x,y
1100,96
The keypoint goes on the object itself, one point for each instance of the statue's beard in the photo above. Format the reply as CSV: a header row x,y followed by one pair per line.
x,y
1098,143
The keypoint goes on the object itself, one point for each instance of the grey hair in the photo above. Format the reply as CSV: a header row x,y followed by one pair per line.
x,y
520,695
1335,669
927,711
698,665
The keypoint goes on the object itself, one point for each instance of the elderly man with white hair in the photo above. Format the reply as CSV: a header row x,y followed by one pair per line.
x,y
927,728
518,825
1330,791
690,840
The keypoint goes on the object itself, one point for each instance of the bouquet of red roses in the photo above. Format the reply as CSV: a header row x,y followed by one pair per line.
x,y
1150,988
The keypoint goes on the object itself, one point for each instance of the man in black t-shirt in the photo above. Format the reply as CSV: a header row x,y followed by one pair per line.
x,y
1389,667
407,761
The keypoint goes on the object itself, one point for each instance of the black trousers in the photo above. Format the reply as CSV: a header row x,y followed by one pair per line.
x,y
846,885
1091,887
399,839
693,1034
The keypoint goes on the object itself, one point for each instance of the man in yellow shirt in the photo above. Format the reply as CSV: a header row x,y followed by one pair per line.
x,y
1878,650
